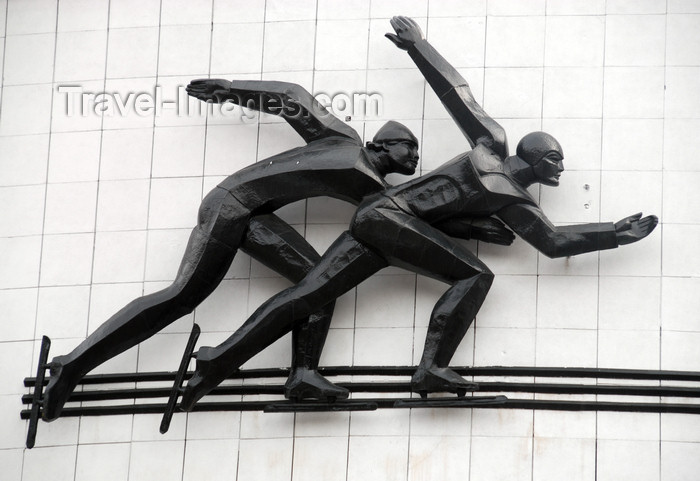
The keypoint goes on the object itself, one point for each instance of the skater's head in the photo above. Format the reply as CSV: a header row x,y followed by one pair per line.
x,y
396,148
544,155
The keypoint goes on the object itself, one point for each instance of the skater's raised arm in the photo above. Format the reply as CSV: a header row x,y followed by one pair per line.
x,y
451,88
530,223
290,101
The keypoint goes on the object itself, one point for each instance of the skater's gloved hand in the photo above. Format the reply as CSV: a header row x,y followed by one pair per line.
x,y
407,32
489,229
215,90
633,228
486,229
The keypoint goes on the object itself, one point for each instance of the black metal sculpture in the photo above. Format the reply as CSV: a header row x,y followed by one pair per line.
x,y
238,215
405,226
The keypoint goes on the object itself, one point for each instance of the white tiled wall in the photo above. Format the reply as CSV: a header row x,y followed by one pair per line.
x,y
96,211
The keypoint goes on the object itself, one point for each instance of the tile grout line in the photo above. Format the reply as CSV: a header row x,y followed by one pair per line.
x,y
537,255
600,208
354,290
46,176
2,81
660,226
204,162
250,263
97,199
148,216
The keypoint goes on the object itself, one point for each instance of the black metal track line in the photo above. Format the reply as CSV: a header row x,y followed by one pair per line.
x,y
387,403
386,387
570,372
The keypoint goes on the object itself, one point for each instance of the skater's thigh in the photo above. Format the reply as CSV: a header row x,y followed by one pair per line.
x,y
410,243
223,217
276,244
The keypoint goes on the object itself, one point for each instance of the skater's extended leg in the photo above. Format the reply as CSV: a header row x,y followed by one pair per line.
x,y
209,253
280,247
418,247
346,263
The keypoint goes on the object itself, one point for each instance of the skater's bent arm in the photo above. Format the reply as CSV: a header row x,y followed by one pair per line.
x,y
486,229
290,101
530,223
451,88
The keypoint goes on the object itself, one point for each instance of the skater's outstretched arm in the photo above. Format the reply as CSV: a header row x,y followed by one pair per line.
x,y
530,223
290,101
452,89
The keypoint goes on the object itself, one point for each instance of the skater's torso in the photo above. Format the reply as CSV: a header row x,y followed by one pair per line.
x,y
334,167
472,184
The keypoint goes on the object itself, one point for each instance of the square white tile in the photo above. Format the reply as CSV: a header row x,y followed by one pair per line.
x,y
618,460
126,154
26,159
29,59
70,207
156,459
62,312
20,264
443,457
119,256
289,46
239,11
347,36
182,12
633,144
629,303
25,212
573,92
183,49
178,151
265,459
634,92
571,459
33,16
174,202
236,48
76,15
679,302
80,56
682,40
500,458
515,41
198,456
648,47
132,52
134,13
377,457
104,461
513,92
574,41
74,156
26,109
66,259
20,306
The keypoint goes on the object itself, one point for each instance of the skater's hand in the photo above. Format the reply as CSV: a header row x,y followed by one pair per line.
x,y
489,229
633,228
486,229
407,32
214,90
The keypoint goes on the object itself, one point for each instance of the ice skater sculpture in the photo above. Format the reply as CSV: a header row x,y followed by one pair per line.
x,y
238,214
406,226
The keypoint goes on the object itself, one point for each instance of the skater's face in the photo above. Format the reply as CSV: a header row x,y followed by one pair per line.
x,y
549,168
403,156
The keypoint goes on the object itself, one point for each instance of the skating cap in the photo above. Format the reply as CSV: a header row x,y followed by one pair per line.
x,y
536,145
394,131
